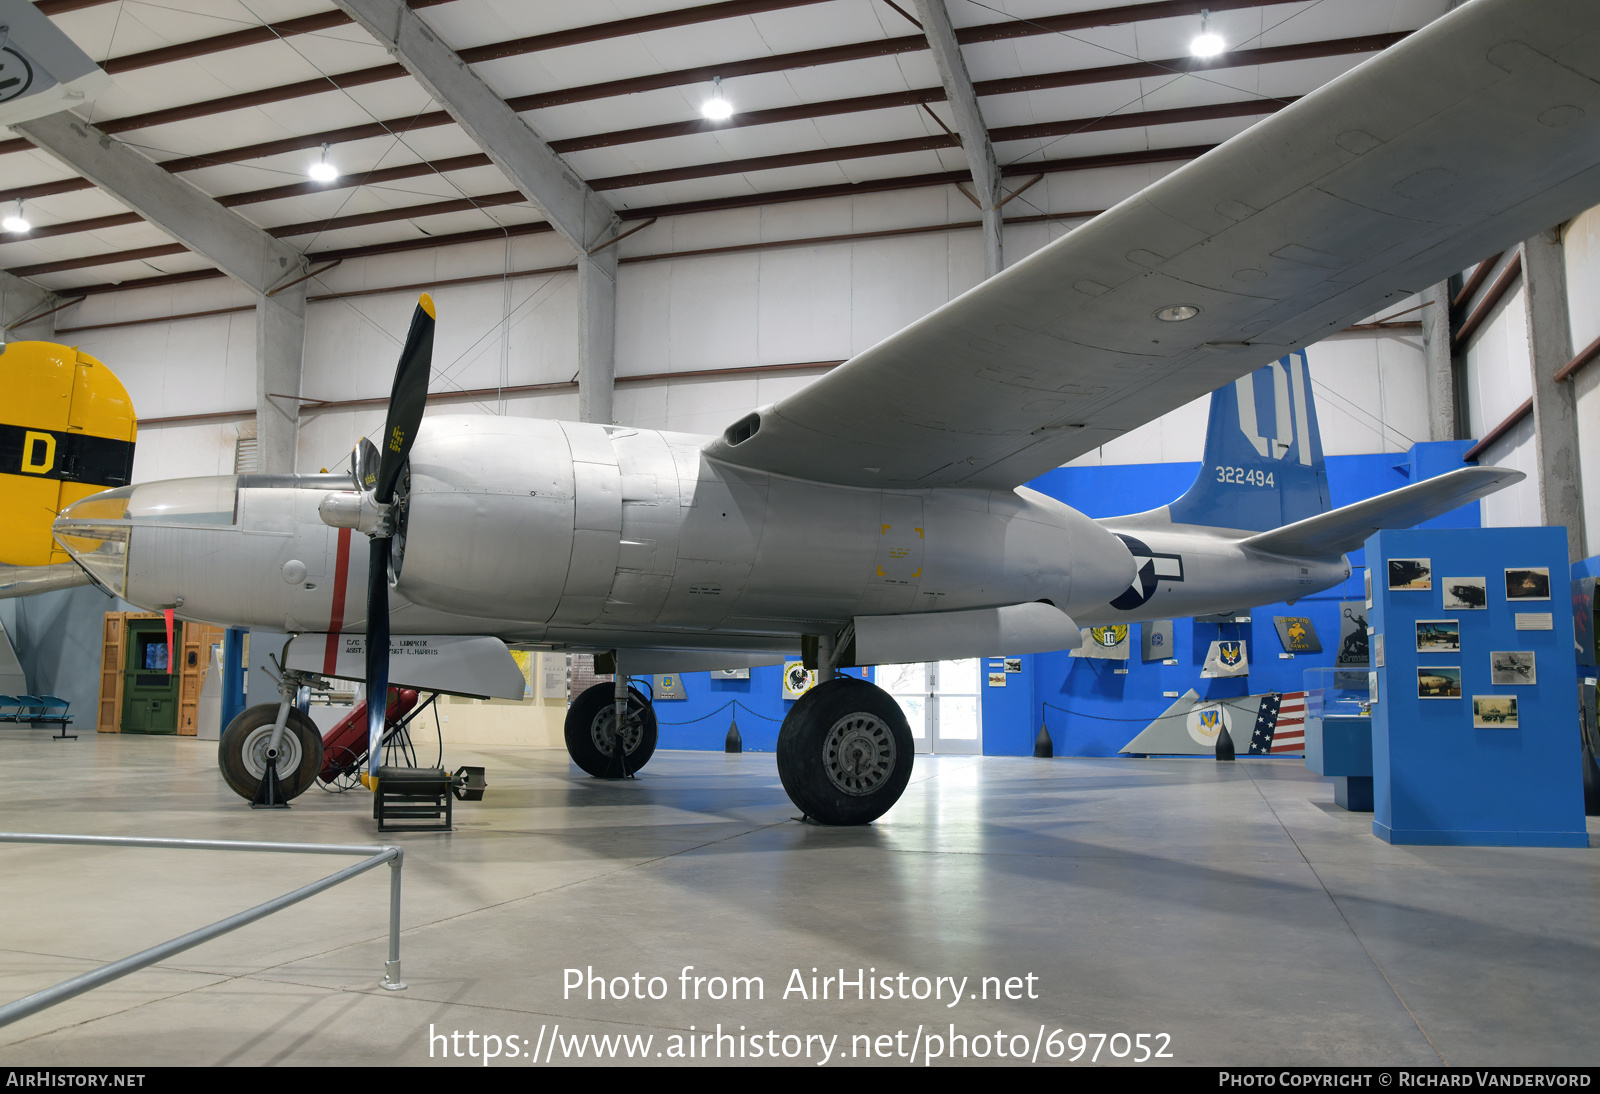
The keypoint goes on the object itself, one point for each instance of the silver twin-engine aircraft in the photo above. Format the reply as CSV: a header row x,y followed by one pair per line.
x,y
878,516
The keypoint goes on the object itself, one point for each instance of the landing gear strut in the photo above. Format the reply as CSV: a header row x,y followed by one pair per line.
x,y
591,732
845,752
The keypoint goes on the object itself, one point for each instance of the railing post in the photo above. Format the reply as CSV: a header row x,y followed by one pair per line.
x,y
391,967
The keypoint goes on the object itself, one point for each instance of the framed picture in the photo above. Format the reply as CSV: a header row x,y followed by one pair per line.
x,y
997,679
1528,583
1438,636
1513,667
1465,594
1494,712
797,679
1297,634
1411,574
1366,584
1438,681
1353,645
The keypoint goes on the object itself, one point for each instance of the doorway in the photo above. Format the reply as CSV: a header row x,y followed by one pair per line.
x,y
942,701
149,690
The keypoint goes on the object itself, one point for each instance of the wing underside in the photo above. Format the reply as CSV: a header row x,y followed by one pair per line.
x,y
1479,130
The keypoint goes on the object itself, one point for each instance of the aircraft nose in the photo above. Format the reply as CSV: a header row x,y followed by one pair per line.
x,y
97,530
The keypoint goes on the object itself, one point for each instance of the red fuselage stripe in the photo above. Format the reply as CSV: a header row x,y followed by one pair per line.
x,y
341,577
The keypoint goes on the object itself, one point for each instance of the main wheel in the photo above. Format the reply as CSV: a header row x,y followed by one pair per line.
x,y
242,752
845,752
591,732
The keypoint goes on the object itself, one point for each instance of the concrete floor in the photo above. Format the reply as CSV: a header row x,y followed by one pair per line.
x,y
1232,908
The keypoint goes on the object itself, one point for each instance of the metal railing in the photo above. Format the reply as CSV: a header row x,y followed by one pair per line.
x,y
65,990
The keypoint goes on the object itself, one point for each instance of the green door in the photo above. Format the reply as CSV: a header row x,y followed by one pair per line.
x,y
149,691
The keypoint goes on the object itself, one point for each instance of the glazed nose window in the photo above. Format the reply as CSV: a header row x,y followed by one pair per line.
x,y
97,529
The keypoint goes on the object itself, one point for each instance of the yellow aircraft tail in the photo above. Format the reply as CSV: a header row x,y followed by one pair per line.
x,y
66,431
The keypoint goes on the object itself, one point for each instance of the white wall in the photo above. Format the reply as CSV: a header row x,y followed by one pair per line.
x,y
1583,307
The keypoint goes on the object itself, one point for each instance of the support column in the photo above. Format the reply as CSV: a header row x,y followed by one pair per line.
x,y
280,344
18,300
936,26
597,336
1436,350
1555,415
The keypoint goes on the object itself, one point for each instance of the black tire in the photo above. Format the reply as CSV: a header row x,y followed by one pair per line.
x,y
845,752
591,732
241,751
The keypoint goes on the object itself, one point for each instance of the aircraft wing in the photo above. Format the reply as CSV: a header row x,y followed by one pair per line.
x,y
1480,130
1344,529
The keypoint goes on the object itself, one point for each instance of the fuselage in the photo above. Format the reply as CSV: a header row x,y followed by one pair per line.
x,y
565,534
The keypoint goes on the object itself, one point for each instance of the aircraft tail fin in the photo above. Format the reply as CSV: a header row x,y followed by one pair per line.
x,y
1326,535
69,432
1263,464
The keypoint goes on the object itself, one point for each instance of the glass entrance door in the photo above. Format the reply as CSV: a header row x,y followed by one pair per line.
x,y
942,703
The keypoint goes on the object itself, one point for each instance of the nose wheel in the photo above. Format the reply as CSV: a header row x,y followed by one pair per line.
x,y
845,752
593,739
242,751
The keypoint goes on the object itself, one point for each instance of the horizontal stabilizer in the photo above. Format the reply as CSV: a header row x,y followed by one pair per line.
x,y
28,580
1015,629
1347,528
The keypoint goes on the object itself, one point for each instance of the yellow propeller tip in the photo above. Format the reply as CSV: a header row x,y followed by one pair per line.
x,y
368,781
426,304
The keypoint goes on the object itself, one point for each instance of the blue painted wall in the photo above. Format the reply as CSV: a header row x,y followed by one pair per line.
x,y
1104,709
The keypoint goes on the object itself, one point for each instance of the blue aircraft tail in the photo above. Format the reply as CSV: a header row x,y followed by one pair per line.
x,y
1263,462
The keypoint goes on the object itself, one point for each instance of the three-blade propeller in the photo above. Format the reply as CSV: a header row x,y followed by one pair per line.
x,y
406,403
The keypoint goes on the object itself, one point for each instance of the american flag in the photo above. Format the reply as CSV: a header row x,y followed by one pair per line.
x,y
1280,727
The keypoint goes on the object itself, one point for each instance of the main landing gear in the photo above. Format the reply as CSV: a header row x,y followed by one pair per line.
x,y
591,731
845,752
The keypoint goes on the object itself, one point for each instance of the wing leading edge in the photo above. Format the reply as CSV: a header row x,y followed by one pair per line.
x,y
1477,131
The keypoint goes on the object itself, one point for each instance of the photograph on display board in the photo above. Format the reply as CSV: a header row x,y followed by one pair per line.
x,y
1013,664
1353,644
1528,583
1410,574
1377,651
1513,667
1438,682
1494,712
1465,594
1438,636
1366,583
997,679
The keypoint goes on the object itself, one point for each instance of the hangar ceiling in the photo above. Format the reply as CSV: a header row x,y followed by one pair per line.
x,y
830,97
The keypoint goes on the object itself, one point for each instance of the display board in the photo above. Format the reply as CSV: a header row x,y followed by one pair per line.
x,y
1474,724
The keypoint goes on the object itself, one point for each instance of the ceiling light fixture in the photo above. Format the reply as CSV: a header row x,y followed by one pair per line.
x,y
322,170
1177,313
17,221
1206,44
717,108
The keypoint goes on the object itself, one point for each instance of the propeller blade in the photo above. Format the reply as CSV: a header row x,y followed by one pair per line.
x,y
407,400
364,464
377,652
